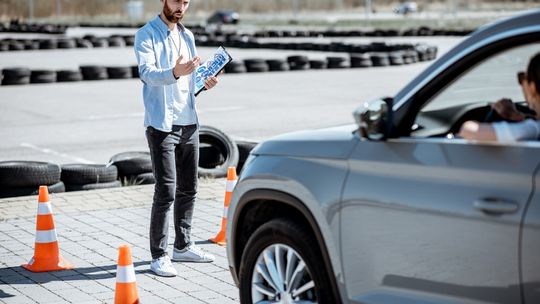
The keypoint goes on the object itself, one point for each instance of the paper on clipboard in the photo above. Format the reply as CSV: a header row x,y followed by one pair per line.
x,y
211,67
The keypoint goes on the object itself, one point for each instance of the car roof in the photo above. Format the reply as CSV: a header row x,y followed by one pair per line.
x,y
500,29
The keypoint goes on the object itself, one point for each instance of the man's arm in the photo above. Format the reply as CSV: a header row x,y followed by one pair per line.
x,y
148,71
477,131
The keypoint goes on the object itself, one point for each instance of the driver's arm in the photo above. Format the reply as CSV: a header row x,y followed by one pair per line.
x,y
477,131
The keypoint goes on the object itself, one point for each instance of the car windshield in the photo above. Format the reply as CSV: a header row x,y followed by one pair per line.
x,y
488,81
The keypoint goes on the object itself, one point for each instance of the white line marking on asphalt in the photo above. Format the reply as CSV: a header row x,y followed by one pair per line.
x,y
56,153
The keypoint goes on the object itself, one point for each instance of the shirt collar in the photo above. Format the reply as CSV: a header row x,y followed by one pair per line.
x,y
163,26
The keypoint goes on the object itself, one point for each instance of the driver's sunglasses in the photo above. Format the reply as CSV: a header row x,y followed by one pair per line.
x,y
521,76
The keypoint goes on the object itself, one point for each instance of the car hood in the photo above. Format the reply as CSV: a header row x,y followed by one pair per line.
x,y
335,142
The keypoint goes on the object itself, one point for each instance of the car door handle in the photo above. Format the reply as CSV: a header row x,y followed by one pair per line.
x,y
495,206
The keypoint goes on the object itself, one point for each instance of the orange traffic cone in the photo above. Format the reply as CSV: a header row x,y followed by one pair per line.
x,y
126,285
46,252
231,183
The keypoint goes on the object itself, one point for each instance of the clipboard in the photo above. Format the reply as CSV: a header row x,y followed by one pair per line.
x,y
211,67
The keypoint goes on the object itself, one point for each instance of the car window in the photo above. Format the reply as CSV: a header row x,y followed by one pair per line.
x,y
469,95
488,81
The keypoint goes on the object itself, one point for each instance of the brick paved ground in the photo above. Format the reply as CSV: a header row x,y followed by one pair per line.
x,y
90,226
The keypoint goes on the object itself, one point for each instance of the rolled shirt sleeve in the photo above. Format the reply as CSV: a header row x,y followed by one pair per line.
x,y
512,132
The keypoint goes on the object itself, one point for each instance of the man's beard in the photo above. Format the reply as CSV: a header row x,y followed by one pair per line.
x,y
169,14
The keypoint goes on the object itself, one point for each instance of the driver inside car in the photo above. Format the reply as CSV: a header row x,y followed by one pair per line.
x,y
524,126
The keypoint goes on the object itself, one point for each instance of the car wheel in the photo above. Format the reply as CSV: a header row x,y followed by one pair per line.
x,y
280,264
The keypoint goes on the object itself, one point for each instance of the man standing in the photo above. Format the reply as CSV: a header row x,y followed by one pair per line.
x,y
167,57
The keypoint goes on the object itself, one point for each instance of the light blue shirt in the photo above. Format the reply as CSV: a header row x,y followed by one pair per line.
x,y
155,55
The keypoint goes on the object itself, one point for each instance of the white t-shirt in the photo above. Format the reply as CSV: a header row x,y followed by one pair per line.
x,y
182,110
511,132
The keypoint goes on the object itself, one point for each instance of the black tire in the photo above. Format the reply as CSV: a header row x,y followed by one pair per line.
x,y
95,186
244,148
235,67
24,191
116,41
43,76
337,63
69,76
145,179
119,72
28,174
81,174
16,76
135,71
67,44
380,59
396,58
317,64
209,156
277,65
361,61
93,72
132,163
48,44
226,146
285,233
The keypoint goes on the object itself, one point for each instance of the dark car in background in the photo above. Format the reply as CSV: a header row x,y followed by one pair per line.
x,y
394,209
224,17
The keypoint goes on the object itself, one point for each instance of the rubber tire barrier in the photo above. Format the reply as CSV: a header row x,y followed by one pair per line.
x,y
297,63
66,44
24,191
28,174
93,72
132,163
244,148
145,179
95,186
43,76
361,61
235,67
256,65
226,146
119,72
81,174
69,76
317,64
16,76
337,63
275,65
209,156
380,59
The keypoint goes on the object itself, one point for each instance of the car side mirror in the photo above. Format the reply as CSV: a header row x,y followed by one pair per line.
x,y
374,119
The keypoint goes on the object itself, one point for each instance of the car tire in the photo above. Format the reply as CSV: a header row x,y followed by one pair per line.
x,y
93,72
226,147
16,76
291,238
43,76
119,72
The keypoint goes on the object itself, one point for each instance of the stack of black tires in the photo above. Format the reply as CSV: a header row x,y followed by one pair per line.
x,y
218,152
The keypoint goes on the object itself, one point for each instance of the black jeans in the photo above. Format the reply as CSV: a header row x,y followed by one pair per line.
x,y
175,157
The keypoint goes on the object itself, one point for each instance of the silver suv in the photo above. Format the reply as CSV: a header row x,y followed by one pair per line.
x,y
395,209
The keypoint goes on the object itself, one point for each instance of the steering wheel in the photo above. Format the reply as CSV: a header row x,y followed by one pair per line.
x,y
493,116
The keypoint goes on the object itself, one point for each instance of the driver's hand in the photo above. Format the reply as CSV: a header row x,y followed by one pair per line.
x,y
507,110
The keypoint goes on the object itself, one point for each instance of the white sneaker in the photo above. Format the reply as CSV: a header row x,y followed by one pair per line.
x,y
192,254
163,267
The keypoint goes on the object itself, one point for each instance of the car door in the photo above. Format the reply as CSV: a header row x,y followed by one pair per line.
x,y
435,221
530,247
430,219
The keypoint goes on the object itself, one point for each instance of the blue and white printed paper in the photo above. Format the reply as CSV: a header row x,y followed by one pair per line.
x,y
211,67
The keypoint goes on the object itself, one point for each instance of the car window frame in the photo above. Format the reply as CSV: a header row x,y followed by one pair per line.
x,y
408,107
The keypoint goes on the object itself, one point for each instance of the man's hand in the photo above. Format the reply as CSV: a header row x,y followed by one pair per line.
x,y
507,110
210,82
182,69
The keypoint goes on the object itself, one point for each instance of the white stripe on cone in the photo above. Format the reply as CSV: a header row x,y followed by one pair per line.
x,y
225,210
44,209
46,236
230,185
125,274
